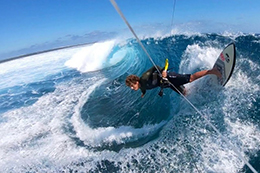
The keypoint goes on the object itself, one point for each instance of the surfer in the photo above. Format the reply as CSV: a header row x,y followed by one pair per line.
x,y
152,79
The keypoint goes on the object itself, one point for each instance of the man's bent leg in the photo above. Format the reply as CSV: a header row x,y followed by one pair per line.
x,y
202,73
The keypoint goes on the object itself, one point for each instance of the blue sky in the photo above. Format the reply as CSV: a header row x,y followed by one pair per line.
x,y
27,24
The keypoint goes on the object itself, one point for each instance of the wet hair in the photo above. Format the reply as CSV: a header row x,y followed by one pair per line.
x,y
132,79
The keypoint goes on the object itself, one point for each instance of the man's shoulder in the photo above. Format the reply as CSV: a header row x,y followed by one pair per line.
x,y
150,71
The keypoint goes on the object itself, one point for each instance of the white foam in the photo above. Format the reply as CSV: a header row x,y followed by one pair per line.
x,y
198,57
92,57
33,68
232,35
234,102
33,138
108,135
33,135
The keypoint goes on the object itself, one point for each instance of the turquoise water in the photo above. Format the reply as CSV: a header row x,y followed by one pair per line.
x,y
69,110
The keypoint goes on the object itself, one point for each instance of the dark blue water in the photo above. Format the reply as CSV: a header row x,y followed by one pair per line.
x,y
69,110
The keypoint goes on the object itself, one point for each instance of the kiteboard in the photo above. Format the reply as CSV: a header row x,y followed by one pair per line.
x,y
225,64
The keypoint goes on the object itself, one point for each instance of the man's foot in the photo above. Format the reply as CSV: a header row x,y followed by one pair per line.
x,y
216,72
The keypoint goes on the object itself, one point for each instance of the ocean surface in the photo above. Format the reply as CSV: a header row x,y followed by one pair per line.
x,y
69,110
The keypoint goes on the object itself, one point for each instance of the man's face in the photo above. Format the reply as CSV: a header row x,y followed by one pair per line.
x,y
134,86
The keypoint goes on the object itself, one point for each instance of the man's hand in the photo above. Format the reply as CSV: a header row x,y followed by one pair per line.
x,y
164,74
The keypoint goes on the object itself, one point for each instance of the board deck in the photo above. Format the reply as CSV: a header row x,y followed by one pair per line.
x,y
226,63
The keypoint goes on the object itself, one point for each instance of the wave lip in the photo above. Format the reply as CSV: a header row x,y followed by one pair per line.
x,y
92,57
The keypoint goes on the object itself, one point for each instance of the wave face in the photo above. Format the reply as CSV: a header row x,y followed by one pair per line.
x,y
69,110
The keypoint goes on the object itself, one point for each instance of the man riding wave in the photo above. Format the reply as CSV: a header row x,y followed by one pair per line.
x,y
152,79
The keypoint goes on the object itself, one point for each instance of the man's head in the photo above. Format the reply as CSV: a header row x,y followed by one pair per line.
x,y
133,82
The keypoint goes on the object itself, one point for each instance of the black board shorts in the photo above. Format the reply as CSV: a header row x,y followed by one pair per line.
x,y
178,80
